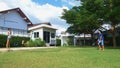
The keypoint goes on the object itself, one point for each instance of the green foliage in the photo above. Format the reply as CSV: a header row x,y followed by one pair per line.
x,y
81,18
3,40
26,44
110,43
39,42
32,43
70,42
58,42
35,43
16,41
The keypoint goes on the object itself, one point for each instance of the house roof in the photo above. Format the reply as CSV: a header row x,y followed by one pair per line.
x,y
45,23
41,26
21,14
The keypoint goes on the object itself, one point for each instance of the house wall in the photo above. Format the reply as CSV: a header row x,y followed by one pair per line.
x,y
15,32
14,21
40,30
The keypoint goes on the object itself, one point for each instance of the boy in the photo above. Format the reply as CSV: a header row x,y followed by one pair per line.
x,y
100,40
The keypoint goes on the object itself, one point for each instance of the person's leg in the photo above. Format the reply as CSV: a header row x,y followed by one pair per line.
x,y
102,45
99,47
7,43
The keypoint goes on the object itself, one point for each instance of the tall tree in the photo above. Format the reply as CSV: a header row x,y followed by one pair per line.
x,y
109,10
85,18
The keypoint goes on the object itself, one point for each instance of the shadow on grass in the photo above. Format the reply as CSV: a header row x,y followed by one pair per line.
x,y
85,46
111,47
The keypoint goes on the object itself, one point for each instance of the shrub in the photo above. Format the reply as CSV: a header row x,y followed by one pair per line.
x,y
42,43
70,42
39,42
111,41
3,39
32,43
26,44
58,42
35,43
15,40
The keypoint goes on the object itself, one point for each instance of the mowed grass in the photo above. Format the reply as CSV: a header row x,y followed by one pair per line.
x,y
61,57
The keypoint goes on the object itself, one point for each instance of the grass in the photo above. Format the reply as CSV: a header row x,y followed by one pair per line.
x,y
62,57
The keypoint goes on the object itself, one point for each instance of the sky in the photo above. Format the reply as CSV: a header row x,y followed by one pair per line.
x,y
40,11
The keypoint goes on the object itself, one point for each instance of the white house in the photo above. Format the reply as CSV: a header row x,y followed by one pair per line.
x,y
16,20
44,31
72,39
65,37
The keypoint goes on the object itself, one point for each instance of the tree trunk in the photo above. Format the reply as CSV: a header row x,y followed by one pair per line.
x,y
84,39
114,36
113,26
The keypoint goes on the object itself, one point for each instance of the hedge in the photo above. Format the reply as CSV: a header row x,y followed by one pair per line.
x,y
16,41
58,42
110,43
35,43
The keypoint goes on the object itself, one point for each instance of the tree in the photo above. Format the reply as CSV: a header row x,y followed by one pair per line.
x,y
80,19
109,10
85,18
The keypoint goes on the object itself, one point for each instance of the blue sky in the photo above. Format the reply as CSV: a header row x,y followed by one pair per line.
x,y
57,3
40,11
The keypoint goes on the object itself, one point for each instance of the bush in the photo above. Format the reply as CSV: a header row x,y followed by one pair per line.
x,y
3,40
39,42
32,43
118,40
70,42
26,44
35,43
111,41
15,40
58,42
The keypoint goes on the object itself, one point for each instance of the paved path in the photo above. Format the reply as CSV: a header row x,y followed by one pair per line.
x,y
22,48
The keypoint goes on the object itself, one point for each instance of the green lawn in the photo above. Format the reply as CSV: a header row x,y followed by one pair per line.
x,y
62,57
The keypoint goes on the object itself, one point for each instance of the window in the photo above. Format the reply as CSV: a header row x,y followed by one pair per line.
x,y
36,34
52,35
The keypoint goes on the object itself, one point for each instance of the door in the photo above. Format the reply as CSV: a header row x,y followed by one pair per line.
x,y
46,36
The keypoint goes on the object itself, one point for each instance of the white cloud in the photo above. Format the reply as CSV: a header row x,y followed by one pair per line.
x,y
74,3
36,12
71,2
60,29
3,6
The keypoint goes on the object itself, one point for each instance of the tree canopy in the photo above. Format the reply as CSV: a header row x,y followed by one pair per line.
x,y
86,18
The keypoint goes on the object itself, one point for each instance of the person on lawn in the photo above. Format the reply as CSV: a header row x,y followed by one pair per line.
x,y
8,38
100,41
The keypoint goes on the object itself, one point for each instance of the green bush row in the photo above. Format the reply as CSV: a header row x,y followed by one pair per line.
x,y
58,42
34,43
16,41
110,43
